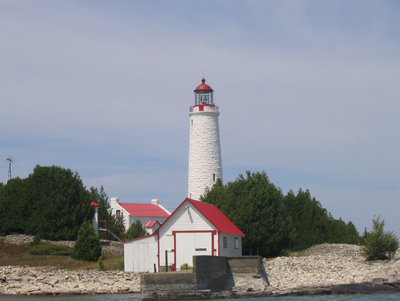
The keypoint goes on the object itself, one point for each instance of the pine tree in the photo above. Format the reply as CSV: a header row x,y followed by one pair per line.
x,y
379,244
273,222
87,246
135,230
256,206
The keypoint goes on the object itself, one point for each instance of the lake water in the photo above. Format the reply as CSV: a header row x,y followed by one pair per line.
x,y
137,298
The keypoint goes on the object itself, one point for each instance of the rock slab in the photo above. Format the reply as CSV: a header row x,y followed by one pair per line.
x,y
18,280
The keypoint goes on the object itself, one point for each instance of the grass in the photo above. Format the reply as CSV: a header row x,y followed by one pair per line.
x,y
47,248
19,255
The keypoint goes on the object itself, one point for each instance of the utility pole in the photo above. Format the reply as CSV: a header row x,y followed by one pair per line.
x,y
10,160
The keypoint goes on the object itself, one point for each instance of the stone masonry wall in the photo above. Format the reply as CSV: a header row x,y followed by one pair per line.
x,y
204,152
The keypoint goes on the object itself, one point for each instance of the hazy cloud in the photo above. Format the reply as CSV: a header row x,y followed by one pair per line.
x,y
308,92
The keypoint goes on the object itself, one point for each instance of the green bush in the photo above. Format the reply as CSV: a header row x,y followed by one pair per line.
x,y
101,264
135,230
87,246
36,241
120,264
185,267
380,245
46,248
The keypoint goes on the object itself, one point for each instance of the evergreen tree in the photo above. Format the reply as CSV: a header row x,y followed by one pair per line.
x,y
380,244
87,246
273,222
99,196
59,203
52,203
14,208
314,224
256,206
135,230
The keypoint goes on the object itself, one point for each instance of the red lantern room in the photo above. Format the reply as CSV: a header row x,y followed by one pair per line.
x,y
203,94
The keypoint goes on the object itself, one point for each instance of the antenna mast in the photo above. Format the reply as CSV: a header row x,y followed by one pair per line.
x,y
10,160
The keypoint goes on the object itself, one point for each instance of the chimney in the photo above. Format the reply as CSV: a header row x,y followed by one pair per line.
x,y
114,199
155,202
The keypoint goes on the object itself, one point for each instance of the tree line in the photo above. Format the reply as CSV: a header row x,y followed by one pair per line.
x,y
274,222
51,203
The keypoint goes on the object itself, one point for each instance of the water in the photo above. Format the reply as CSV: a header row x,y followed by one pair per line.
x,y
373,297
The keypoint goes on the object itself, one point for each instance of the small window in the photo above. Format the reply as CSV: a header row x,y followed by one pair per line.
x,y
118,214
214,177
236,243
225,242
191,122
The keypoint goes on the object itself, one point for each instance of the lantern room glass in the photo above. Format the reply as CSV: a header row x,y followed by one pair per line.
x,y
202,98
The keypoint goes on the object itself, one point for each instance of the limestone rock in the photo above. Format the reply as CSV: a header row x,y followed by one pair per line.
x,y
45,280
328,265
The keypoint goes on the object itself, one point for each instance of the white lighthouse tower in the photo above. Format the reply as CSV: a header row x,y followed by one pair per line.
x,y
205,166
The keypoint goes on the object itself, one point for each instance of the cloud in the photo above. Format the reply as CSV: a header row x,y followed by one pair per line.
x,y
307,91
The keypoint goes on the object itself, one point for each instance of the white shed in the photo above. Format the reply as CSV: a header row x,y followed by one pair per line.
x,y
194,228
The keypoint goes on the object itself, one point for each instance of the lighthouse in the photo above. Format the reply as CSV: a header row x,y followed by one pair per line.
x,y
205,166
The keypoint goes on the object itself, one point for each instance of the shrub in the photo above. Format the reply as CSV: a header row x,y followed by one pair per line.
x,y
101,264
380,245
36,241
185,267
87,246
120,264
135,230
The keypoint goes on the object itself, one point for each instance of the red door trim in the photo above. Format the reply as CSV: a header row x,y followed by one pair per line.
x,y
219,244
158,243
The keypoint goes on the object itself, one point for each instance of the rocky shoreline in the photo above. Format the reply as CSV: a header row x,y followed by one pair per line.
x,y
330,265
20,280
322,269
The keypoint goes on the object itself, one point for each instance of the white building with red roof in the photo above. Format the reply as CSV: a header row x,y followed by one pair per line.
x,y
150,215
194,228
152,226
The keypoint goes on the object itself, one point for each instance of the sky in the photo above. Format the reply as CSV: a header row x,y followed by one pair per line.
x,y
308,92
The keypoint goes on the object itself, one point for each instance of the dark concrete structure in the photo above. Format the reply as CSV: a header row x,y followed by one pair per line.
x,y
210,274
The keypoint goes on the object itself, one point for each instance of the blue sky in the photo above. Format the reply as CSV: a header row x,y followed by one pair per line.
x,y
308,92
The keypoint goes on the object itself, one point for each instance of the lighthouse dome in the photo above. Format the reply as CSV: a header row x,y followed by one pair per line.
x,y
203,87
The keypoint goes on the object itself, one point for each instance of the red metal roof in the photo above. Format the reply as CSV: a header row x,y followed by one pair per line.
x,y
151,224
216,217
210,212
144,210
203,86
